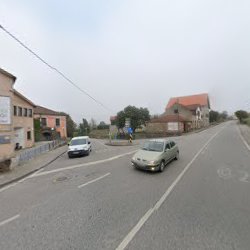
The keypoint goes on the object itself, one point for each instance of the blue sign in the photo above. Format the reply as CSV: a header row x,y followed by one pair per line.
x,y
130,130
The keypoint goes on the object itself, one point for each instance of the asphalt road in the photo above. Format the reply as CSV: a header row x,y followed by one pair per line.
x,y
201,201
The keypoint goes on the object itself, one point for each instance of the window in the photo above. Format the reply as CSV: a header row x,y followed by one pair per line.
x,y
172,144
20,111
43,122
25,112
57,122
153,146
15,111
167,146
30,113
29,135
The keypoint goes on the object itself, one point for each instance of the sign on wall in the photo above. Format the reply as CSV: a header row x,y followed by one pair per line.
x,y
5,110
4,139
173,126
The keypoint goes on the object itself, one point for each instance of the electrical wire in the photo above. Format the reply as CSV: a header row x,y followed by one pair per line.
x,y
53,68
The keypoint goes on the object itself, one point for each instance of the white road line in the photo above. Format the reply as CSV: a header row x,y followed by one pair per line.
x,y
148,214
7,187
243,139
97,179
9,220
20,181
82,165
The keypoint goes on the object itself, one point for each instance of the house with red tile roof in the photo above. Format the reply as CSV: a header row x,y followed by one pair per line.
x,y
51,122
183,114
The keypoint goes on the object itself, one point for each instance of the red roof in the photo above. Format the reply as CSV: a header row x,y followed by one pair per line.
x,y
201,99
169,118
44,111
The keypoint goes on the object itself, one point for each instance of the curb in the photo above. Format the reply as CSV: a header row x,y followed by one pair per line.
x,y
31,172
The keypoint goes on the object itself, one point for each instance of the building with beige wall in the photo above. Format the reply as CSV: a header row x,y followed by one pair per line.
x,y
16,118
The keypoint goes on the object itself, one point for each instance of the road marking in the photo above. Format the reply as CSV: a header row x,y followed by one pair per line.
x,y
97,179
7,187
20,181
9,220
82,165
245,176
148,214
243,139
224,173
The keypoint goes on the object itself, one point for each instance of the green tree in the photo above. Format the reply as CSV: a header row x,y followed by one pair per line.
x,y
83,128
241,115
70,124
138,117
102,125
37,129
92,123
214,116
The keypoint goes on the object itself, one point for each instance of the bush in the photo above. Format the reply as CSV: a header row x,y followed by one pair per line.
x,y
246,121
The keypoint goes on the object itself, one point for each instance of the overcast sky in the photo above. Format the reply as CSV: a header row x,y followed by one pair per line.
x,y
124,52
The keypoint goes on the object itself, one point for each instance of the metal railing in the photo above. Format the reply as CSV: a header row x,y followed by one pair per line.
x,y
31,153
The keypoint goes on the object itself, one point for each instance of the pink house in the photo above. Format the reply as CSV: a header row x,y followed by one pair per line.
x,y
51,121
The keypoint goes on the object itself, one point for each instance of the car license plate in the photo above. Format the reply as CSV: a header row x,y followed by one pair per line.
x,y
75,153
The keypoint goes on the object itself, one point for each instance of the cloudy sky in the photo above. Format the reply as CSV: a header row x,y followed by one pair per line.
x,y
136,52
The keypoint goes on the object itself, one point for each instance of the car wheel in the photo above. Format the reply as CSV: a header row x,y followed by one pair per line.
x,y
88,152
177,156
162,166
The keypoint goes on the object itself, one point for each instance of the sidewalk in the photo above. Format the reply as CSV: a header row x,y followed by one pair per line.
x,y
31,166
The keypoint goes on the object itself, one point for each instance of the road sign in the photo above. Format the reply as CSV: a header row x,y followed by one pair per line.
x,y
127,122
130,130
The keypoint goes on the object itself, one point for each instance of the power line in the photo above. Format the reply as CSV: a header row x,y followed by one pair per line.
x,y
53,68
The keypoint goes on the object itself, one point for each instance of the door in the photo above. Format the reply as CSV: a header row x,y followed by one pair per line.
x,y
19,137
173,149
167,152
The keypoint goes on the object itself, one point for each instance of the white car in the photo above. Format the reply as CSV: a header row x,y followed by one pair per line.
x,y
80,145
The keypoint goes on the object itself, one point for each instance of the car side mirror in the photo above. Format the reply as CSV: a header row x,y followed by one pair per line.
x,y
89,142
68,144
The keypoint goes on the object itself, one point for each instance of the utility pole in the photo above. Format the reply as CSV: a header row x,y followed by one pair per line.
x,y
178,116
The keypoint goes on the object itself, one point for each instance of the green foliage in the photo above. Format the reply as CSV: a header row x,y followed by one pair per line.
x,y
138,117
102,125
215,116
241,115
37,129
92,124
83,128
70,124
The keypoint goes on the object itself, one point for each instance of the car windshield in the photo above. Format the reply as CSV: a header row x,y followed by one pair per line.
x,y
153,146
76,142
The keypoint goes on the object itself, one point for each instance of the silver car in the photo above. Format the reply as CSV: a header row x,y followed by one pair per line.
x,y
155,154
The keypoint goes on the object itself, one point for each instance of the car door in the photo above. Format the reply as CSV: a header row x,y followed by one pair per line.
x,y
167,152
173,149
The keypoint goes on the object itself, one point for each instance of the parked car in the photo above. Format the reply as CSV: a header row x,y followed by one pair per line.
x,y
79,146
155,154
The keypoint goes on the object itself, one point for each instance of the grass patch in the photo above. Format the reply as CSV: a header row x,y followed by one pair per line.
x,y
247,121
99,133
